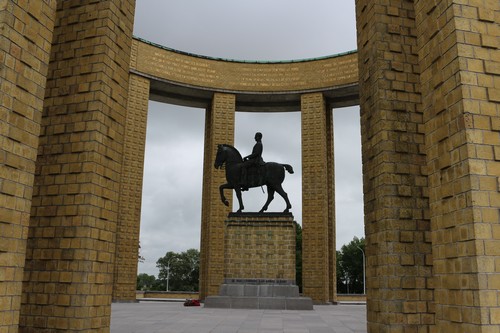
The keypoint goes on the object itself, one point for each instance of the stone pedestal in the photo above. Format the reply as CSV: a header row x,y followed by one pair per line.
x,y
259,246
259,264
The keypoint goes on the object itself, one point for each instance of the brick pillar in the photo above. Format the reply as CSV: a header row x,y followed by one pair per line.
x,y
219,129
129,214
460,63
25,42
398,249
316,196
71,245
332,235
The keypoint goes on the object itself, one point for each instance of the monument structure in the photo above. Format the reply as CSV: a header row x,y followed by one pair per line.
x,y
259,264
259,248
73,105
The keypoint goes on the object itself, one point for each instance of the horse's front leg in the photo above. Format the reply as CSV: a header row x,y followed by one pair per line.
x,y
237,189
221,189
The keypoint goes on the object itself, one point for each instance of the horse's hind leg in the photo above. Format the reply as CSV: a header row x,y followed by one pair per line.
x,y
282,192
270,197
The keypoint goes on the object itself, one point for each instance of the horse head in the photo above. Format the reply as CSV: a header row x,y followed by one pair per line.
x,y
226,154
220,158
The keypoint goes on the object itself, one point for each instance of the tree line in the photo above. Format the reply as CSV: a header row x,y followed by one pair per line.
x,y
180,271
177,271
350,275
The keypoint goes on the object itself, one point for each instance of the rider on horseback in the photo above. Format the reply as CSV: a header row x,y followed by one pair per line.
x,y
252,160
272,174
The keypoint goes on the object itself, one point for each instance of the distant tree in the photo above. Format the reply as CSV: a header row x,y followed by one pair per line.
x,y
341,287
180,271
145,281
350,267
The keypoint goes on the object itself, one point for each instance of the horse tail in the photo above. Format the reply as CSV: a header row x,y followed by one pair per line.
x,y
288,168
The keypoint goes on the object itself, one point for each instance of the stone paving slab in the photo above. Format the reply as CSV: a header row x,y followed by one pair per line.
x,y
173,317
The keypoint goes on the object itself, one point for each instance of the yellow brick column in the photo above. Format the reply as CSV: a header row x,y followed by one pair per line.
x,y
397,226
219,129
25,41
129,215
71,245
315,198
332,241
460,62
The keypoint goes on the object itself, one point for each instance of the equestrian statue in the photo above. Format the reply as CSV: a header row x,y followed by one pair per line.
x,y
251,171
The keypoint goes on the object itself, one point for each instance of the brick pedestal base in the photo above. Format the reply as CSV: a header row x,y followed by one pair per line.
x,y
259,246
259,264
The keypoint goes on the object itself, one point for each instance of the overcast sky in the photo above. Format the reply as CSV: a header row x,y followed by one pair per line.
x,y
242,30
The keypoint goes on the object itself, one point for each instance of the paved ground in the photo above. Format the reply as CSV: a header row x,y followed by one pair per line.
x,y
173,317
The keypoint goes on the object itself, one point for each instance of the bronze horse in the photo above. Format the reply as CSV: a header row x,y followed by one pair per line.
x,y
271,174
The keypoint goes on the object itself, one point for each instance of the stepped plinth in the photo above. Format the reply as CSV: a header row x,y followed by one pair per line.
x,y
259,264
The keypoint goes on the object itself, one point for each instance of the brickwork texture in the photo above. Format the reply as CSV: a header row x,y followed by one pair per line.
x,y
71,240
25,41
458,48
397,226
219,129
316,197
129,214
259,247
73,108
330,179
218,74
